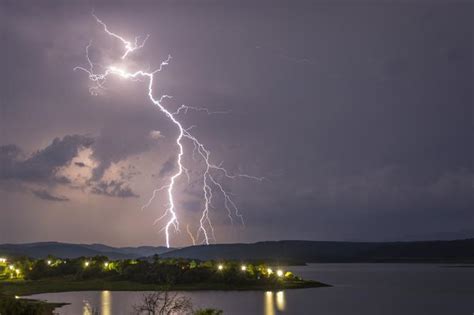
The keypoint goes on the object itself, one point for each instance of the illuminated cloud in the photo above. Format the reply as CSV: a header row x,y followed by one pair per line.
x,y
113,189
65,162
41,166
156,134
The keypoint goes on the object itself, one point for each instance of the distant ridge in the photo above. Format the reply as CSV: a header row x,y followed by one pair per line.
x,y
317,251
278,251
66,250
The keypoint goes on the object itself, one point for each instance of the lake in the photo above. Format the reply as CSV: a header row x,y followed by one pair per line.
x,y
369,289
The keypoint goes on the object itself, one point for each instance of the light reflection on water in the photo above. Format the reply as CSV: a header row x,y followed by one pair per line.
x,y
272,299
106,303
280,301
269,308
87,309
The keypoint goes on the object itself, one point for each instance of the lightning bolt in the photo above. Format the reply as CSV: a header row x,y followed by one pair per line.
x,y
190,235
129,46
211,173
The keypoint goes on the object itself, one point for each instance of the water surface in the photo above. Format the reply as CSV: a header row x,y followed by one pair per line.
x,y
368,289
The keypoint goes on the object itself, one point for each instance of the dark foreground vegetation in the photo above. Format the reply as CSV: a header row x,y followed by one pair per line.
x,y
25,276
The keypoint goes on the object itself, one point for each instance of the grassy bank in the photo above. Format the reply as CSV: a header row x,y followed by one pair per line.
x,y
25,287
14,305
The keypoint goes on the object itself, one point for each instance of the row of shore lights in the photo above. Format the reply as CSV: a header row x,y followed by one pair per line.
x,y
87,264
11,267
279,272
220,267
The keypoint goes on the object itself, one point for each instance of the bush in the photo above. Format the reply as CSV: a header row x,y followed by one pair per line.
x,y
9,305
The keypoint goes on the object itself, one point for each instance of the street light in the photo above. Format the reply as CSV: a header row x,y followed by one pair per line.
x,y
280,273
220,267
243,268
269,271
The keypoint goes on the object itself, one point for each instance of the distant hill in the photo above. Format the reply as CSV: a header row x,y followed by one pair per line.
x,y
315,251
66,250
280,251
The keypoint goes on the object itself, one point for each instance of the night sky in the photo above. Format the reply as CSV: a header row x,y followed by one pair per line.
x,y
359,114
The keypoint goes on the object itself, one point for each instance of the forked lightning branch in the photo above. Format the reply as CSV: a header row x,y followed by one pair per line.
x,y
211,175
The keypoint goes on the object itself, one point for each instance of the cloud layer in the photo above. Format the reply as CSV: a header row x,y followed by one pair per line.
x,y
359,117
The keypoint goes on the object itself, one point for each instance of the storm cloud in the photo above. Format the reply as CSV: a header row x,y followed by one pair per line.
x,y
42,168
113,189
42,165
45,195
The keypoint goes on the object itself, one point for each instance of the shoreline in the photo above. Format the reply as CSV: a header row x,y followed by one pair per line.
x,y
27,288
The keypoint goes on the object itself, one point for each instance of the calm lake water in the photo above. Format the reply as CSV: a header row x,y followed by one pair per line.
x,y
368,289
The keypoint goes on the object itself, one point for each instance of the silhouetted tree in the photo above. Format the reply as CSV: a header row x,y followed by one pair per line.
x,y
163,303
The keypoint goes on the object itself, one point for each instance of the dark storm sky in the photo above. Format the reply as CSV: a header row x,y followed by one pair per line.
x,y
358,113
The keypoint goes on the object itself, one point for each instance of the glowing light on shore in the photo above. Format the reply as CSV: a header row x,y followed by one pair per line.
x,y
280,273
220,267
243,268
